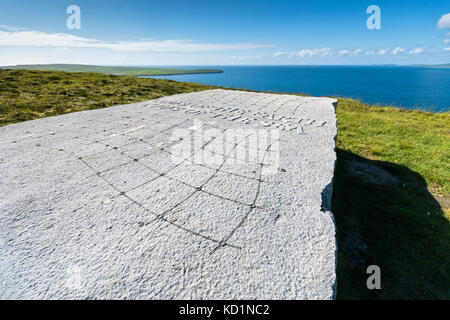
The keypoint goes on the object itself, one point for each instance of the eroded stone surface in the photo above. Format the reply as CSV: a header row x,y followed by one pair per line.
x,y
107,204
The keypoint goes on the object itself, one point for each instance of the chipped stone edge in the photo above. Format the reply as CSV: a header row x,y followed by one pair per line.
x,y
327,197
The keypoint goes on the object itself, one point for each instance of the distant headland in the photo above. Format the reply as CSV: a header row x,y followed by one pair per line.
x,y
446,65
128,71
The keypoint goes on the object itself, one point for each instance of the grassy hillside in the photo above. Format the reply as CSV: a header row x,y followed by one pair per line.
x,y
391,188
127,71
26,95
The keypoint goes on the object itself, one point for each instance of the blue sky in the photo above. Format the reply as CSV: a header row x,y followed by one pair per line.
x,y
190,32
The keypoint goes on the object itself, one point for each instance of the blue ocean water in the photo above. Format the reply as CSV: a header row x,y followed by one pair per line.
x,y
406,87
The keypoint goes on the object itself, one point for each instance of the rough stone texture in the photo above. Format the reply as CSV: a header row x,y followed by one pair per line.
x,y
101,204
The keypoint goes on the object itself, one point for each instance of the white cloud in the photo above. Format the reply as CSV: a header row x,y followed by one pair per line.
x,y
355,52
446,49
32,38
416,51
9,28
42,39
327,52
352,53
179,46
444,22
323,52
382,52
397,50
446,41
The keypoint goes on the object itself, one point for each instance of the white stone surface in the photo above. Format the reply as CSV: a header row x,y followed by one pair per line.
x,y
94,204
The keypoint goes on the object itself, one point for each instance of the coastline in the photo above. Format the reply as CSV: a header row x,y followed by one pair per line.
x,y
177,74
112,70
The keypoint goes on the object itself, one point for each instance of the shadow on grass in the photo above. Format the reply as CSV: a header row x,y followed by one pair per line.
x,y
385,216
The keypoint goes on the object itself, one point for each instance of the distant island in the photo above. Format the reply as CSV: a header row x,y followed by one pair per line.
x,y
126,71
446,65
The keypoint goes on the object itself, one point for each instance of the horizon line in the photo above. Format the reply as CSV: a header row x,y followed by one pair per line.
x,y
229,65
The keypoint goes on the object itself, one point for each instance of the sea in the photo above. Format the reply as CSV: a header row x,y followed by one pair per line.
x,y
407,87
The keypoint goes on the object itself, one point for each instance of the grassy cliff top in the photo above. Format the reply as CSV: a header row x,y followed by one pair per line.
x,y
391,185
127,71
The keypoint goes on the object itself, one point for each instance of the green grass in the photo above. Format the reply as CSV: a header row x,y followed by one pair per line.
x,y
126,71
415,139
27,95
392,168
398,225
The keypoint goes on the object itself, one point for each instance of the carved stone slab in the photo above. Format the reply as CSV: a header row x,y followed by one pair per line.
x,y
211,195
